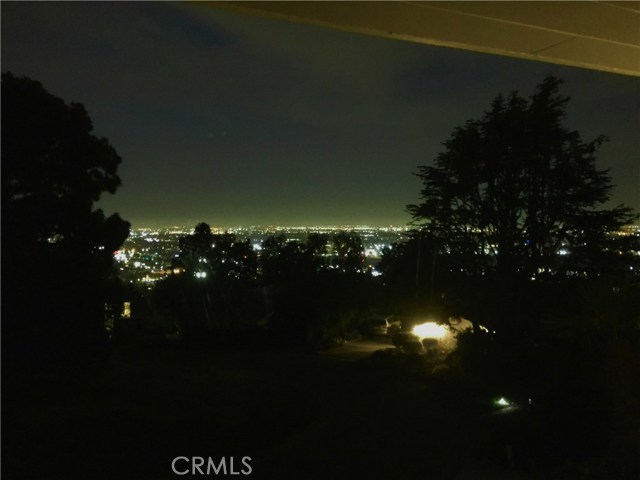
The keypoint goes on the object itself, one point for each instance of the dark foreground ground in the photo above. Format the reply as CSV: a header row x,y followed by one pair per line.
x,y
298,415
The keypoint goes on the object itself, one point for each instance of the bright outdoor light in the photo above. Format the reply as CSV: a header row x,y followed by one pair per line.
x,y
429,330
502,402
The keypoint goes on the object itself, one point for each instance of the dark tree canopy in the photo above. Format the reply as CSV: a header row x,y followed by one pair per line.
x,y
349,250
222,256
196,247
57,249
516,187
283,260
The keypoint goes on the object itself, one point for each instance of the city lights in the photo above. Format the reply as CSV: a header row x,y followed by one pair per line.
x,y
149,254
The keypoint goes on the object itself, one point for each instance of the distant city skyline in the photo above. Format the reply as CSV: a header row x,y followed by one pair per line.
x,y
237,121
219,226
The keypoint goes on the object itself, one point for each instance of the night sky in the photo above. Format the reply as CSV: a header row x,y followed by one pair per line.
x,y
237,120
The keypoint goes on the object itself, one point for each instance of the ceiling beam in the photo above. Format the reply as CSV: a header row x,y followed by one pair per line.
x,y
596,35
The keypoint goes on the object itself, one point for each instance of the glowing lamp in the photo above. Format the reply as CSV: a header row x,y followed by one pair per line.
x,y
429,330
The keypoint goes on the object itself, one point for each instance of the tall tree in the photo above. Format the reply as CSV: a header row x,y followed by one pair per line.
x,y
233,258
196,248
57,248
317,248
284,260
349,251
209,299
222,256
516,187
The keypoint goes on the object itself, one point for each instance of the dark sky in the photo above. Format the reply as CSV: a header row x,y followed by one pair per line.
x,y
237,120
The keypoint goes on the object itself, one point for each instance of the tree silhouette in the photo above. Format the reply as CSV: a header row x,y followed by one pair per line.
x,y
209,299
349,250
233,258
57,249
284,260
196,248
317,248
220,256
514,188
408,267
